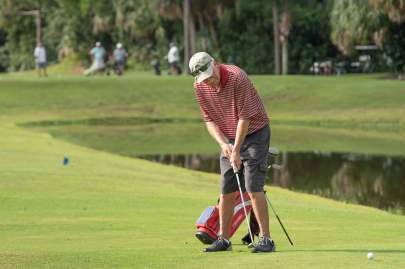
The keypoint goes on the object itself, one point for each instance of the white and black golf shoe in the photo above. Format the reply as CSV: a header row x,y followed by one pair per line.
x,y
219,245
265,244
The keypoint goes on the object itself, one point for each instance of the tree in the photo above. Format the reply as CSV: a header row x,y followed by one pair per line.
x,y
310,37
72,27
394,9
355,22
199,17
276,39
350,20
284,33
246,34
22,31
4,54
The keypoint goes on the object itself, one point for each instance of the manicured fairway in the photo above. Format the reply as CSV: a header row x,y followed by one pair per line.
x,y
103,210
106,211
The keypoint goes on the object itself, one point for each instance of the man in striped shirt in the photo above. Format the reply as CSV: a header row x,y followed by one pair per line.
x,y
235,117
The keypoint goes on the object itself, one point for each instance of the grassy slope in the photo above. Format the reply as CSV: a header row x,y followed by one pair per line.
x,y
359,100
106,211
364,112
193,138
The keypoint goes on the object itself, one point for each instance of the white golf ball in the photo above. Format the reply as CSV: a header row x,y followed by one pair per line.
x,y
370,255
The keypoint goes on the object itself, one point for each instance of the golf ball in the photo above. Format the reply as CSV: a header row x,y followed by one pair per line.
x,y
370,255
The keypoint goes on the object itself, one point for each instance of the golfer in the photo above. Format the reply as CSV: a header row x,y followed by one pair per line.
x,y
40,59
97,54
173,57
235,117
120,56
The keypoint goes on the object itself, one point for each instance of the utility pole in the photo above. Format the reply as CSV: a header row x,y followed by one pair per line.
x,y
37,15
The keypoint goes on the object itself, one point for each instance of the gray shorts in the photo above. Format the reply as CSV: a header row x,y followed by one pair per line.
x,y
41,64
253,154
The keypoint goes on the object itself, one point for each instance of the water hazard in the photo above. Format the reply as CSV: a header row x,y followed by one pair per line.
x,y
377,181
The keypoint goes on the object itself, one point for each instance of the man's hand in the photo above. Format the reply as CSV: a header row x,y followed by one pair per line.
x,y
227,150
235,159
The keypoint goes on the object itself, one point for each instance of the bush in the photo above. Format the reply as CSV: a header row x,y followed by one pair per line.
x,y
394,47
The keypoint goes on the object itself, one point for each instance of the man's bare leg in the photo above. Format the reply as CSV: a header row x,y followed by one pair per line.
x,y
226,204
261,212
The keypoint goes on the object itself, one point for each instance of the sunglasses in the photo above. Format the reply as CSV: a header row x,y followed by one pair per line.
x,y
201,69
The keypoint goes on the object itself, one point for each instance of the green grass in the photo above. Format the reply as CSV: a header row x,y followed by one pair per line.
x,y
352,101
191,138
361,114
108,211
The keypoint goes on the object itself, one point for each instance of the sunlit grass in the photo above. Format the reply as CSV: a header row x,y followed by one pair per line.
x,y
108,211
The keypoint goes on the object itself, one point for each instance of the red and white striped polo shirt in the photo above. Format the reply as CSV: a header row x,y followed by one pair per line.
x,y
236,99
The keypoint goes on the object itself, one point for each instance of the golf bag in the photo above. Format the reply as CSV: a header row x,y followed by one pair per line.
x,y
208,223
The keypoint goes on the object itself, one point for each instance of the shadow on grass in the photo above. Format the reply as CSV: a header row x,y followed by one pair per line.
x,y
399,251
346,250
108,121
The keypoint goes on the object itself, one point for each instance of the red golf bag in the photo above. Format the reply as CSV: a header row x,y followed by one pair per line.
x,y
208,223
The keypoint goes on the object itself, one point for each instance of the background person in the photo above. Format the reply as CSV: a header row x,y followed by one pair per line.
x,y
98,55
235,117
156,65
40,59
120,56
173,57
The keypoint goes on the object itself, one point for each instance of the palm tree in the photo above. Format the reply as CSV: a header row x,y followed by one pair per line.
x,y
276,39
285,26
349,21
196,15
281,32
394,9
353,21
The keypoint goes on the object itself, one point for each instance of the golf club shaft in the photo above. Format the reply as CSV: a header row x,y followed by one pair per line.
x,y
282,226
244,205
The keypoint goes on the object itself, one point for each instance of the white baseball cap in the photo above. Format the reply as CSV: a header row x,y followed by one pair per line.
x,y
119,45
201,66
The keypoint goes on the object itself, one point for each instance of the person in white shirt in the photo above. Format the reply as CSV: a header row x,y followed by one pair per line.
x,y
98,55
173,58
40,59
120,56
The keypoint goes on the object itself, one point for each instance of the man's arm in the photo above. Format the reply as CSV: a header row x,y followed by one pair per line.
x,y
241,132
221,139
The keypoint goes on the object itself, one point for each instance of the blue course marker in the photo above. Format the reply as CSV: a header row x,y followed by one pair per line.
x,y
65,161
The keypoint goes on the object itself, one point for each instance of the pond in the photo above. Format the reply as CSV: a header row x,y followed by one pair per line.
x,y
371,180
313,158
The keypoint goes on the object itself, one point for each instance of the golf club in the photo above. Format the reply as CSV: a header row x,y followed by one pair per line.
x,y
279,221
235,170
275,166
274,152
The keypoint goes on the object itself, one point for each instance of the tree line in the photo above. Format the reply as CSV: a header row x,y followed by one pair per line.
x,y
262,36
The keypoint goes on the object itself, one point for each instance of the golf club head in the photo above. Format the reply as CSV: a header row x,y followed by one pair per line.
x,y
274,151
275,166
